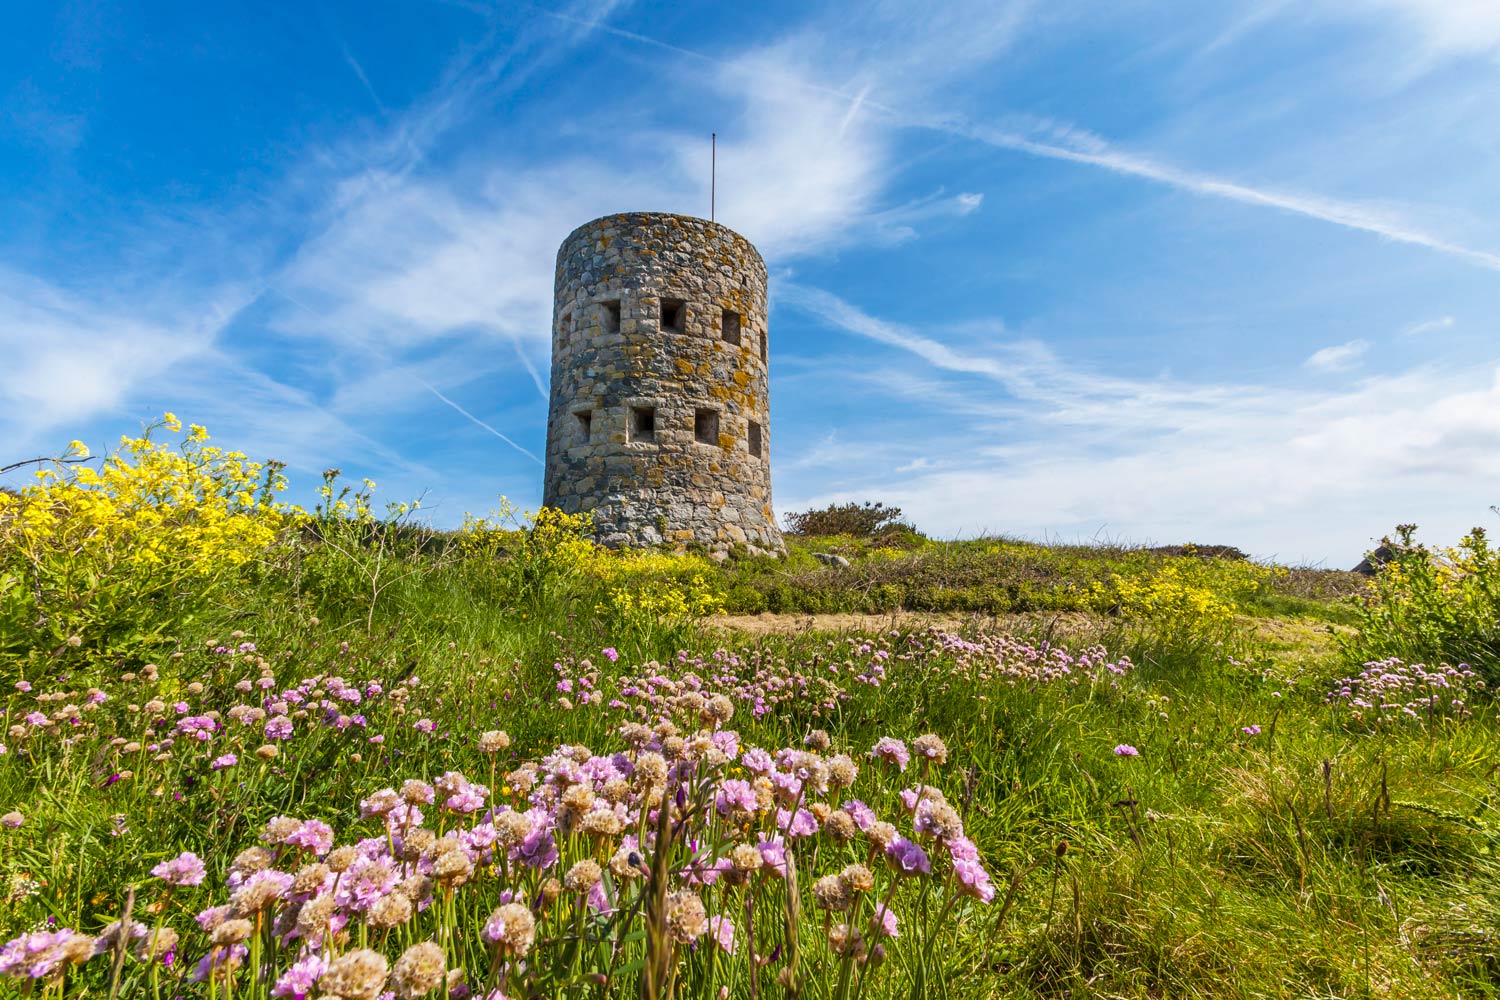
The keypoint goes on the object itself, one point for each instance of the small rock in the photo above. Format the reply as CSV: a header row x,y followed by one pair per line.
x,y
830,559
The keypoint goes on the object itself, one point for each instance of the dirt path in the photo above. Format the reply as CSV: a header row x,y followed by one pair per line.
x,y
1288,637
774,624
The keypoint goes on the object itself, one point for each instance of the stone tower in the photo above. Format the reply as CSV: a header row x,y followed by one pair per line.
x,y
659,420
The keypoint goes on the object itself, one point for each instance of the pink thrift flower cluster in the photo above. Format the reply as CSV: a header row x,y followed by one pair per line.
x,y
577,833
764,682
1391,691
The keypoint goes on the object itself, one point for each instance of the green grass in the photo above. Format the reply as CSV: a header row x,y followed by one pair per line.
x,y
987,576
1317,858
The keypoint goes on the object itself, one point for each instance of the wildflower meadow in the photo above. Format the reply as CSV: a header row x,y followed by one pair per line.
x,y
251,750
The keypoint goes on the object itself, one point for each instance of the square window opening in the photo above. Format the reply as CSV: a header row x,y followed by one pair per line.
x,y
706,426
643,423
673,314
755,441
585,425
729,325
610,319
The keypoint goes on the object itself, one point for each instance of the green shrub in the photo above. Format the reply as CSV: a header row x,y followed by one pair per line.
x,y
867,520
1433,606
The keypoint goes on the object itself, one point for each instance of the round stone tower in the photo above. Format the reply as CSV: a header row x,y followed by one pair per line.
x,y
659,420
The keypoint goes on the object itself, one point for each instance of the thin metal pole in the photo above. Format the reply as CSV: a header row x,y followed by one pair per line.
x,y
713,172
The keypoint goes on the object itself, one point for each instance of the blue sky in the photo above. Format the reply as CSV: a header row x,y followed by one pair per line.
x,y
1143,271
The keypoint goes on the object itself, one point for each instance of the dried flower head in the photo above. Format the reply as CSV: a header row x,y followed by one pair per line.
x,y
389,911
858,878
687,920
848,941
842,771
651,769
832,893
232,932
511,928
418,971
310,879
583,876
494,741
416,793
452,868
356,975
341,859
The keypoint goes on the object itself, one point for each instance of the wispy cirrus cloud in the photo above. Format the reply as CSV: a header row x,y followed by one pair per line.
x,y
70,357
1337,357
1427,326
1067,142
1064,447
1071,144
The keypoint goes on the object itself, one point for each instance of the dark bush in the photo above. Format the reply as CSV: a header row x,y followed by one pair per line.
x,y
865,520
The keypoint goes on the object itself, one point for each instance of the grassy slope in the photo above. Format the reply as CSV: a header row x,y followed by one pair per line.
x,y
1213,864
982,576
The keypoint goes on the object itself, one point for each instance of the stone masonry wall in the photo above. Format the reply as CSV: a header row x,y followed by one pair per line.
x,y
659,422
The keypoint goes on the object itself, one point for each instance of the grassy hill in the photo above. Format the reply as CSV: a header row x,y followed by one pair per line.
x,y
1107,772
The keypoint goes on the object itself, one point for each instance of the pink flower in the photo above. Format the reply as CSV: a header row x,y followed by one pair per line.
x,y
313,834
864,816
892,751
35,955
773,854
975,880
798,824
757,761
721,929
185,869
1126,750
227,760
611,653
1251,730
424,725
908,856
735,795
300,978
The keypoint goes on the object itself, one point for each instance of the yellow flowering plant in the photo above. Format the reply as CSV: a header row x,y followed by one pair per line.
x,y
547,552
1432,605
1185,598
114,556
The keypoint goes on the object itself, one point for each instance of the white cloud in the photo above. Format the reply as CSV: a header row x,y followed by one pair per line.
x,y
1428,326
1337,357
1057,141
1447,27
70,357
1291,472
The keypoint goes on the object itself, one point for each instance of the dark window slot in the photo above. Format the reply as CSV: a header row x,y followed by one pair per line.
x,y
673,315
730,326
706,426
643,423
